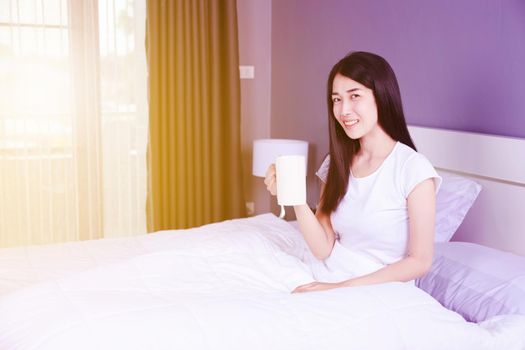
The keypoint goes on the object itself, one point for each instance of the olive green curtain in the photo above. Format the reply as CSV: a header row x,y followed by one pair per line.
x,y
194,151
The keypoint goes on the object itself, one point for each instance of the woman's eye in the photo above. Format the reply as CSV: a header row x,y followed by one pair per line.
x,y
354,96
336,99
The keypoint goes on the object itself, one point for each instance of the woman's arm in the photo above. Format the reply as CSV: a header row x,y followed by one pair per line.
x,y
315,228
317,231
421,212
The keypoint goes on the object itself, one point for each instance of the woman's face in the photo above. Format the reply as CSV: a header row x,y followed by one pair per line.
x,y
354,107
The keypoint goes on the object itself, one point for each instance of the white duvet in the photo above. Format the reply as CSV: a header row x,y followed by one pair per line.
x,y
220,286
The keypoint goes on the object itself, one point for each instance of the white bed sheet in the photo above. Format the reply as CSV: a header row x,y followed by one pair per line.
x,y
220,286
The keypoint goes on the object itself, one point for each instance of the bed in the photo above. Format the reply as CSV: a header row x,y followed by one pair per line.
x,y
227,286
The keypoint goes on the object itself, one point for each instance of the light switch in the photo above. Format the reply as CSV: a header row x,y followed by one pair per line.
x,y
247,72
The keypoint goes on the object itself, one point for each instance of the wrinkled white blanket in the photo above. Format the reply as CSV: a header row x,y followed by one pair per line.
x,y
220,286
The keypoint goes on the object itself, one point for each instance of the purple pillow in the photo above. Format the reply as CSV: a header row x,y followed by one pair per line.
x,y
476,281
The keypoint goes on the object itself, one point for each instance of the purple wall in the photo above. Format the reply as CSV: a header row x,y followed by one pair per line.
x,y
460,64
254,23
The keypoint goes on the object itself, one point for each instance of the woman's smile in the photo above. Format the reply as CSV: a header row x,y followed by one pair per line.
x,y
350,122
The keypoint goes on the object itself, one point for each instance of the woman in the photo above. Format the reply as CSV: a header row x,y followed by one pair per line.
x,y
375,220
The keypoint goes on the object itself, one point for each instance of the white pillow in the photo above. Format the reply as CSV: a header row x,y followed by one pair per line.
x,y
453,201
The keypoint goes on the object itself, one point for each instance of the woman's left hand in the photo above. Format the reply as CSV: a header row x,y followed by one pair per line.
x,y
316,287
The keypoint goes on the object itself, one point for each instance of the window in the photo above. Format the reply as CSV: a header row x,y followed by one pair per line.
x,y
73,119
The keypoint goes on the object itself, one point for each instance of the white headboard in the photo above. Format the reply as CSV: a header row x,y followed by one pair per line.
x,y
497,218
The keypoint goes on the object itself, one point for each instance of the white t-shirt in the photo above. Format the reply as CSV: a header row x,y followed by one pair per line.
x,y
372,218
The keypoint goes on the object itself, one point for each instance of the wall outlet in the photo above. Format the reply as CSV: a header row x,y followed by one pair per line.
x,y
250,208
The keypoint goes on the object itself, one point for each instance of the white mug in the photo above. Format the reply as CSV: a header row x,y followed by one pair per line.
x,y
291,180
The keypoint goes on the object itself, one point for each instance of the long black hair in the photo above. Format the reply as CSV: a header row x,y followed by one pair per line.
x,y
375,73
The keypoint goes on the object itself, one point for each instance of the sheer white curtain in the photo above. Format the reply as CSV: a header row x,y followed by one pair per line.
x,y
73,120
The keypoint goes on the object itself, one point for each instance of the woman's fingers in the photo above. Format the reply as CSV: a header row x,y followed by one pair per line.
x,y
316,286
270,171
305,288
272,187
270,180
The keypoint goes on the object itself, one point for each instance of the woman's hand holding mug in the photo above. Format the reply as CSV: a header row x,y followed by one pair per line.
x,y
287,179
